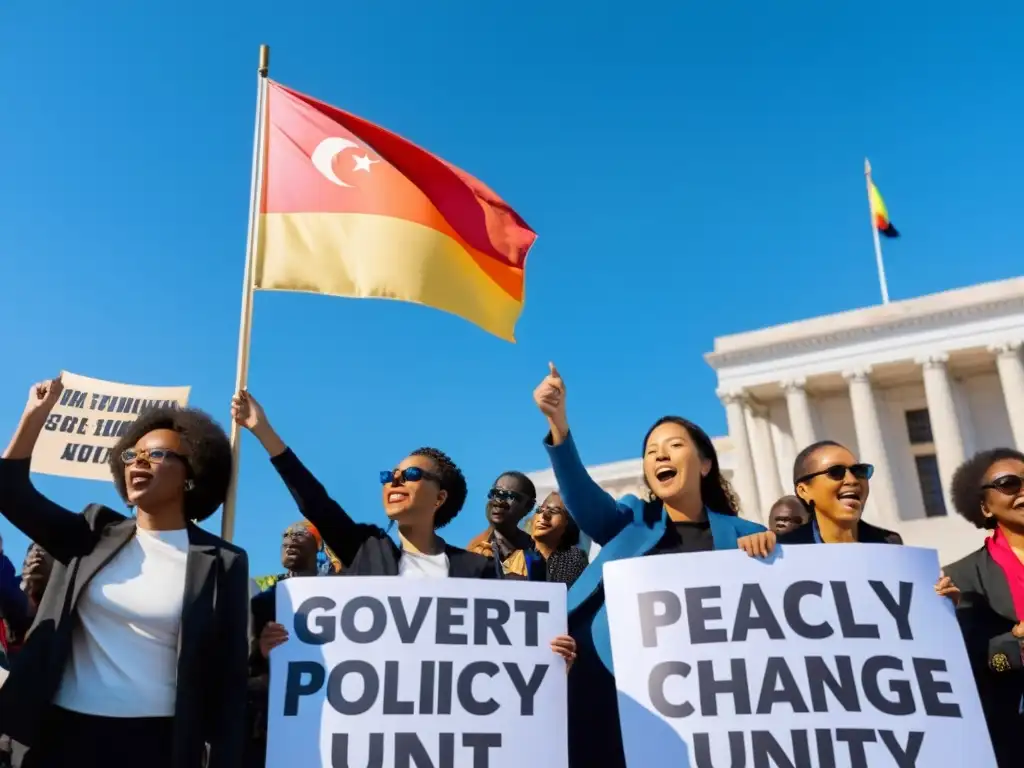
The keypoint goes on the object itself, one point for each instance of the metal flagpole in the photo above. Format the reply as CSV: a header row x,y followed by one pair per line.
x,y
878,243
227,524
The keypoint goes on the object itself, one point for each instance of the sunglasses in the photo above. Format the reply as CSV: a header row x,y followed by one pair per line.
x,y
503,494
1008,484
154,456
407,475
837,472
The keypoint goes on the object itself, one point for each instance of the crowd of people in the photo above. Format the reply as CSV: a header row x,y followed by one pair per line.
x,y
132,637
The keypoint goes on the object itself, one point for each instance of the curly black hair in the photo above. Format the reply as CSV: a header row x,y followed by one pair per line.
x,y
800,469
966,485
715,490
206,446
452,481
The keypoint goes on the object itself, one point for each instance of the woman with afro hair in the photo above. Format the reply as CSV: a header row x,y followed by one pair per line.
x,y
138,653
988,491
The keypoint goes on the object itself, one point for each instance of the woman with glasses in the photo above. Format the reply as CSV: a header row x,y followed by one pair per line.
x,y
988,491
689,508
138,654
555,538
510,548
834,487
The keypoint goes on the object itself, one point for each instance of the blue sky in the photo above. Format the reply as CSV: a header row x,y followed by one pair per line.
x,y
692,169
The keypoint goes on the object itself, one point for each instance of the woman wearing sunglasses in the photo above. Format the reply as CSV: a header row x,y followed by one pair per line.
x,y
988,491
834,487
422,494
138,654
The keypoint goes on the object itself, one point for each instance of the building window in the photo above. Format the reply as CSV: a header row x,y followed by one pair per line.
x,y
919,427
922,446
931,485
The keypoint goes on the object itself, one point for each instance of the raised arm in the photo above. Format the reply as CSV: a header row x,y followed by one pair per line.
x,y
61,532
339,531
595,511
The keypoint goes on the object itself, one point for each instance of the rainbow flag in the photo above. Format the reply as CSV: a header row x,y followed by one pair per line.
x,y
350,209
880,213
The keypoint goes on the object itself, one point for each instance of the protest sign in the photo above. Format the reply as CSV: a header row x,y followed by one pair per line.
x,y
88,420
823,657
418,673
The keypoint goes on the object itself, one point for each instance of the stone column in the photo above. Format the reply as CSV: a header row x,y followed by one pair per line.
x,y
801,420
1011,376
744,480
949,442
766,466
881,507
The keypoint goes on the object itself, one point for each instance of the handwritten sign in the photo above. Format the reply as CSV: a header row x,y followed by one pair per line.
x,y
87,422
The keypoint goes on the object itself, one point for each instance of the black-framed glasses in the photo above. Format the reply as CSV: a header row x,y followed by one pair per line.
x,y
153,455
504,494
1009,485
837,472
407,475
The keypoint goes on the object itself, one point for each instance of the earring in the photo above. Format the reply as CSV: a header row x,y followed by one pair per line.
x,y
189,485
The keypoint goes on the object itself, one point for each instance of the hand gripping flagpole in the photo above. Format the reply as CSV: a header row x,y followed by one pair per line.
x,y
227,524
874,231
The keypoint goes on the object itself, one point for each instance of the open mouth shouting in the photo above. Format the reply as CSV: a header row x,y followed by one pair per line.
x,y
851,498
139,480
664,475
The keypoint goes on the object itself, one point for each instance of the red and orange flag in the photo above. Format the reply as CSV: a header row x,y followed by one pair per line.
x,y
350,209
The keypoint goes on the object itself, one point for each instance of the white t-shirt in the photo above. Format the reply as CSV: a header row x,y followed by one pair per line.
x,y
124,652
415,565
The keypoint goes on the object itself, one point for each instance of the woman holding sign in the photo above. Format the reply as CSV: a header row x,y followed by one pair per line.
x,y
988,491
422,494
138,654
691,508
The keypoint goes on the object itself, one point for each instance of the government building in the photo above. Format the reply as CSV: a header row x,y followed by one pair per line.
x,y
913,387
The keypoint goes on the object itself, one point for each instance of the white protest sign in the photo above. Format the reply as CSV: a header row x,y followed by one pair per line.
x,y
826,656
88,420
418,673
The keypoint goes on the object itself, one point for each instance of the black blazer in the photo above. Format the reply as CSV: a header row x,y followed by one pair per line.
x,y
364,549
986,614
212,641
866,534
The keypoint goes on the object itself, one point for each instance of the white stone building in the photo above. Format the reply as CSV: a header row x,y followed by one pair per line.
x,y
913,387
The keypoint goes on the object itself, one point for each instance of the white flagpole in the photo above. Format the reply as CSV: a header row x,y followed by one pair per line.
x,y
227,524
878,243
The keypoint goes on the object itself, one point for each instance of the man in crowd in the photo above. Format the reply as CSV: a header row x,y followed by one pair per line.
x,y
301,549
787,514
510,499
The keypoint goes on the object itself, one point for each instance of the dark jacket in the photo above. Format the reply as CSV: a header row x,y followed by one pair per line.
x,y
212,641
987,614
364,549
866,534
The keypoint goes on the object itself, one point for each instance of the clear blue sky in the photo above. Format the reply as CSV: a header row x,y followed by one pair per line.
x,y
692,169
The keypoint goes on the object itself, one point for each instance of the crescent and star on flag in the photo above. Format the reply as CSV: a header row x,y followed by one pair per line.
x,y
328,150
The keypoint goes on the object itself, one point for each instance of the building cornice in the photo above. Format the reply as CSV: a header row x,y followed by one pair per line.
x,y
860,325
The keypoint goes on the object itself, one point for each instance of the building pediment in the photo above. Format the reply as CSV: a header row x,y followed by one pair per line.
x,y
959,311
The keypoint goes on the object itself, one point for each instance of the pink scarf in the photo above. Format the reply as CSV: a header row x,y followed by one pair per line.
x,y
999,550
